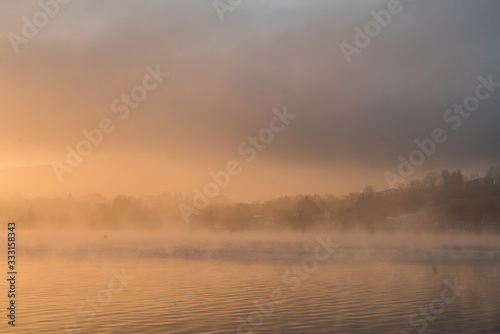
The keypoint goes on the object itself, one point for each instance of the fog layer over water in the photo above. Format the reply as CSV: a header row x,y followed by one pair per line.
x,y
353,247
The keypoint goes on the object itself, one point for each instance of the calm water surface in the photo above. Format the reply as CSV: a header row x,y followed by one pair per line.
x,y
195,291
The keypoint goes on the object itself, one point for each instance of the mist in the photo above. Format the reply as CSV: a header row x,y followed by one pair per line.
x,y
256,166
353,119
353,247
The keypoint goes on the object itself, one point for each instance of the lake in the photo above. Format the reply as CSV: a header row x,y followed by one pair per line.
x,y
228,283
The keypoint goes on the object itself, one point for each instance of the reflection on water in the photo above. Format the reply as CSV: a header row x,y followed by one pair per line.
x,y
205,289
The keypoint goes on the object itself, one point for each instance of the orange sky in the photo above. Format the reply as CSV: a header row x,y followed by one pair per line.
x,y
225,78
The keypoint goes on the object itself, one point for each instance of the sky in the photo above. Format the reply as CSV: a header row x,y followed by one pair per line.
x,y
349,118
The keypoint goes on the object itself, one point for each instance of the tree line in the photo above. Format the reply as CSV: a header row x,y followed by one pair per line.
x,y
440,201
